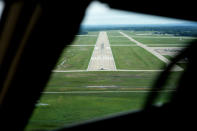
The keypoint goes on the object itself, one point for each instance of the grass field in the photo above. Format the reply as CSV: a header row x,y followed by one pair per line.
x,y
75,58
80,96
116,81
65,109
74,108
120,41
113,33
85,40
81,80
163,41
137,58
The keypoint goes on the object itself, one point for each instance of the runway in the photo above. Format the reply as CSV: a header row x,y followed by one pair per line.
x,y
102,57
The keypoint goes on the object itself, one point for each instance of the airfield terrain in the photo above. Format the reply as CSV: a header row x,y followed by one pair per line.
x,y
104,73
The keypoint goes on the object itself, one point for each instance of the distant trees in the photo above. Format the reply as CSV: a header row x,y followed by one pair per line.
x,y
182,30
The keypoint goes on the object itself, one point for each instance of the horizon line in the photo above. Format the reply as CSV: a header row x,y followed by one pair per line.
x,y
184,23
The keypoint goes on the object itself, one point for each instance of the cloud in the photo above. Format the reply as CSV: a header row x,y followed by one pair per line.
x,y
100,14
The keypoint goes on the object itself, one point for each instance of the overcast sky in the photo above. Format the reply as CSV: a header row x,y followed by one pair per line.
x,y
100,14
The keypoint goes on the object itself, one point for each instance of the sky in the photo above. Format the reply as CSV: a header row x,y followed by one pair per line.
x,y
1,7
101,14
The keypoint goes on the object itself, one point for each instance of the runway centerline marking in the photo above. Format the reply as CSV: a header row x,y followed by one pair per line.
x,y
102,57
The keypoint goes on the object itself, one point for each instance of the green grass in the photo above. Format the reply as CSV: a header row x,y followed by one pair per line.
x,y
84,40
167,45
113,33
168,41
79,81
163,40
135,58
65,109
136,33
120,41
74,58
159,40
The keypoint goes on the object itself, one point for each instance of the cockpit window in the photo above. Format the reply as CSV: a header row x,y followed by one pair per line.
x,y
111,66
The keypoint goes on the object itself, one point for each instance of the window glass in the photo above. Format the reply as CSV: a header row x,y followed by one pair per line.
x,y
111,66
1,7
